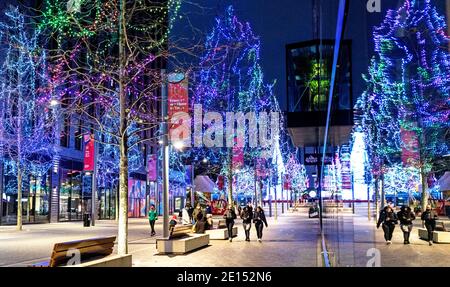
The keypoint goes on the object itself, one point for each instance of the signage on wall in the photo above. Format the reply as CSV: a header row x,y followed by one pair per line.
x,y
316,158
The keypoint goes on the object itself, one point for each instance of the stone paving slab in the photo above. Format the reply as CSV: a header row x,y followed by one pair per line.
x,y
355,235
291,241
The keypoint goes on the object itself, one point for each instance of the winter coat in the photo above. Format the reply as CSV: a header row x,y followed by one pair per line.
x,y
196,212
200,226
247,215
406,216
387,217
429,217
152,215
185,216
259,217
229,214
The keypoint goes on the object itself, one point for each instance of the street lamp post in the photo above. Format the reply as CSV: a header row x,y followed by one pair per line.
x,y
165,160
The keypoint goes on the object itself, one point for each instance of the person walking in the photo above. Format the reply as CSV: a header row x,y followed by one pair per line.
x,y
247,216
406,217
429,220
230,216
152,217
388,220
259,218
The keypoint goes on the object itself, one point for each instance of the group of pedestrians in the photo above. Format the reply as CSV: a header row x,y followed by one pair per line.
x,y
248,215
388,219
202,219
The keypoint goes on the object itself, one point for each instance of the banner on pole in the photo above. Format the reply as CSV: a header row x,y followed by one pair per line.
x,y
89,152
178,107
152,173
410,147
188,175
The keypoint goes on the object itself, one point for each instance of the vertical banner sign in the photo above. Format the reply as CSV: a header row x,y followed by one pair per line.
x,y
152,174
261,167
88,152
238,154
188,175
410,147
220,182
287,182
178,107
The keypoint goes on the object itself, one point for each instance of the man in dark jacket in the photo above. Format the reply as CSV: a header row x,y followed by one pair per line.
x,y
247,216
388,220
429,220
406,217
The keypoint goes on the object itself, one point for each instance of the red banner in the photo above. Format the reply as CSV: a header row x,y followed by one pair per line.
x,y
261,170
178,102
152,174
238,154
410,147
287,182
88,152
220,182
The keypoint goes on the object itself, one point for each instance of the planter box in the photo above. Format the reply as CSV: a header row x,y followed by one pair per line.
x,y
220,234
182,245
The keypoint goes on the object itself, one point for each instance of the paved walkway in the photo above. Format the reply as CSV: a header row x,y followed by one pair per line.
x,y
354,236
291,241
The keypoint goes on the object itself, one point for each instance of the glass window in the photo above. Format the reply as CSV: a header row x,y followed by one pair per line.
x,y
70,196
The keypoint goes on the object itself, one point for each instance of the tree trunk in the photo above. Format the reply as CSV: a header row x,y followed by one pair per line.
x,y
230,180
19,197
383,192
424,198
377,205
122,236
122,233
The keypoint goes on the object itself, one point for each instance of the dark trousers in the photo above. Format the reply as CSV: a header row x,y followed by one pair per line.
x,y
388,231
247,227
230,224
259,229
152,225
430,228
406,229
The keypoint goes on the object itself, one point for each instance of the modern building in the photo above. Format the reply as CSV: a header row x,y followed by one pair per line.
x,y
64,192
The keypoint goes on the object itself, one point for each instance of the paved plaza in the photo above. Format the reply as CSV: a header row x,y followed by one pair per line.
x,y
291,240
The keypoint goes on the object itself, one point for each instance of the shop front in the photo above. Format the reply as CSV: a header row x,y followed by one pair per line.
x,y
35,197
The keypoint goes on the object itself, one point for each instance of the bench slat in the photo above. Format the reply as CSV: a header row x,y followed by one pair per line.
x,y
180,231
59,258
78,244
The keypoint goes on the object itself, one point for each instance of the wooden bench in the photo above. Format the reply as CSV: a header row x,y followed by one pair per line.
x,y
78,251
438,236
180,231
181,240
